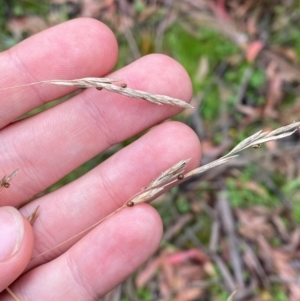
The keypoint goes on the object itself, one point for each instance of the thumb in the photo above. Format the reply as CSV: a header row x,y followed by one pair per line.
x,y
16,245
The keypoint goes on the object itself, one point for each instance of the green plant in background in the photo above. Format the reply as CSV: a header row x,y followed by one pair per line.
x,y
241,195
26,7
189,50
10,9
291,190
182,204
144,294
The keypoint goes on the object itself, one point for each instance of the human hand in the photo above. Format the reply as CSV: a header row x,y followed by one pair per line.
x,y
49,145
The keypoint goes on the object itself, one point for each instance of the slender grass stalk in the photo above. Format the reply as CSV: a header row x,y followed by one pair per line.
x,y
177,170
13,294
80,233
108,84
175,174
230,298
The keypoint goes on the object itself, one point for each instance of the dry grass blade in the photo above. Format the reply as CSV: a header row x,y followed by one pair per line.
x,y
283,129
153,98
208,166
12,294
266,139
106,83
230,298
245,143
145,196
169,174
81,232
262,137
87,82
166,178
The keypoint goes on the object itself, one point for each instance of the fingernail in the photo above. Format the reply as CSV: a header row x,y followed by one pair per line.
x,y
11,232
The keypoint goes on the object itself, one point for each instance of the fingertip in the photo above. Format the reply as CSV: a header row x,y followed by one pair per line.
x,y
98,38
119,246
17,238
144,226
175,76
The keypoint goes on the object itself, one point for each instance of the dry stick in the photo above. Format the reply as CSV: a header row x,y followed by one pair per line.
x,y
226,215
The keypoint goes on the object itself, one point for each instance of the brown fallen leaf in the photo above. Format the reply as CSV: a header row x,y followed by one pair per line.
x,y
189,294
282,263
182,256
147,273
252,225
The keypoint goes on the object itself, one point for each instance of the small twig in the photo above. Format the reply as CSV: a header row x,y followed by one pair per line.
x,y
132,43
214,236
227,220
173,230
228,279
256,264
244,84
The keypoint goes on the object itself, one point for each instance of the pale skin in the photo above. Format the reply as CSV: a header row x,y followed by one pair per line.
x,y
48,146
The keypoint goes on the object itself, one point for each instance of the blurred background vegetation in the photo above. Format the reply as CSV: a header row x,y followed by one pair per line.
x,y
243,59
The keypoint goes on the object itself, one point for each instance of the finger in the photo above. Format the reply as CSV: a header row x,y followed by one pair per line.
x,y
58,140
98,262
74,49
16,238
73,208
